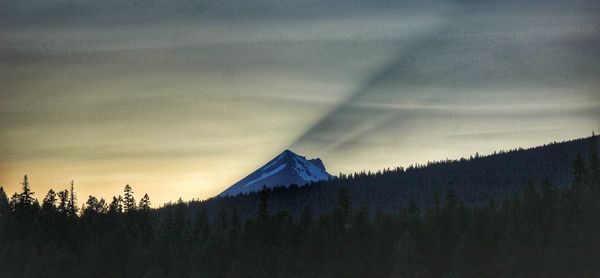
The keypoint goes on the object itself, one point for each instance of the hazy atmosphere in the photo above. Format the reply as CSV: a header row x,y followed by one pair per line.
x,y
185,98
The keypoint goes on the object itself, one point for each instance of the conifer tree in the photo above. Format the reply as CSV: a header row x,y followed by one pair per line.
x,y
26,197
128,200
91,206
4,212
145,203
116,206
13,203
72,208
179,219
101,207
3,202
49,202
63,202
120,204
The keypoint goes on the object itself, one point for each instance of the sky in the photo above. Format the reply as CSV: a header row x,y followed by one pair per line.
x,y
184,98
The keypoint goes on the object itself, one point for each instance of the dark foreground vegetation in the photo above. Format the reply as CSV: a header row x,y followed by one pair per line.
x,y
546,231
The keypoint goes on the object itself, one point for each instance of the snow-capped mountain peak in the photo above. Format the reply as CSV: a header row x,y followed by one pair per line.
x,y
285,169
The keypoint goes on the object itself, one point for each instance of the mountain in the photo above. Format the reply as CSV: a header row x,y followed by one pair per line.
x,y
286,169
476,180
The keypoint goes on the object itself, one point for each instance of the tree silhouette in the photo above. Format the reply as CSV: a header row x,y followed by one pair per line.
x,y
72,208
92,206
541,231
63,202
102,207
49,201
26,197
116,206
13,203
145,203
128,199
179,219
3,202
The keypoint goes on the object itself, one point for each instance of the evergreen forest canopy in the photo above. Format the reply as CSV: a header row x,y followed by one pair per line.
x,y
544,228
476,180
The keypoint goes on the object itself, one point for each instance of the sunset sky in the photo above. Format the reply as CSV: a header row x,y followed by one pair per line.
x,y
184,98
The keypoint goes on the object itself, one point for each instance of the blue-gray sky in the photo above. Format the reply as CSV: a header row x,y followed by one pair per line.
x,y
184,98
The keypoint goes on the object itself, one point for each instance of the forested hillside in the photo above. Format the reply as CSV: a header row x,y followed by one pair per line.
x,y
544,231
475,180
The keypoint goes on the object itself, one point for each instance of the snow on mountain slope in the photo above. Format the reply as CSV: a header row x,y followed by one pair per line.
x,y
285,169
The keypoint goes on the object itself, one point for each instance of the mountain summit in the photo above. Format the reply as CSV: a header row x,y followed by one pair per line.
x,y
285,169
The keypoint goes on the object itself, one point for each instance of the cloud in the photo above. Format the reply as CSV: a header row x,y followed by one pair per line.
x,y
477,60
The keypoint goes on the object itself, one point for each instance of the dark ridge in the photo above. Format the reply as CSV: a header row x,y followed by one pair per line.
x,y
475,180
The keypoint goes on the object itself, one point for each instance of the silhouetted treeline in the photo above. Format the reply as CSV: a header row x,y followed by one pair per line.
x,y
474,180
545,231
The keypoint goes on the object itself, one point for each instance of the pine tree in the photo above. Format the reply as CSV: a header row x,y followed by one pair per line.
x,y
145,203
3,202
129,200
101,207
49,201
120,204
116,206
26,197
13,203
63,202
72,208
91,206
179,219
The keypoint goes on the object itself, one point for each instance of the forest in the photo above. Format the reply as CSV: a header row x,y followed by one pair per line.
x,y
475,180
545,230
